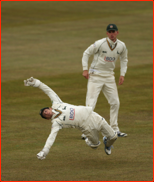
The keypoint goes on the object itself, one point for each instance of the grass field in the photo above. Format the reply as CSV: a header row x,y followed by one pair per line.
x,y
46,40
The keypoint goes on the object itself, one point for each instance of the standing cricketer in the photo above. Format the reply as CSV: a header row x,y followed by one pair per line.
x,y
100,76
63,115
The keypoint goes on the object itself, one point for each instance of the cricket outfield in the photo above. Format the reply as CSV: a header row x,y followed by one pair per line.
x,y
46,40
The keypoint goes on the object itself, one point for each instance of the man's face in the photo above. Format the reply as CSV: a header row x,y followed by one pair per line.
x,y
112,34
47,113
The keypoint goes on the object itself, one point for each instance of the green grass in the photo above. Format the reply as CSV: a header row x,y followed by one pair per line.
x,y
48,47
24,132
46,40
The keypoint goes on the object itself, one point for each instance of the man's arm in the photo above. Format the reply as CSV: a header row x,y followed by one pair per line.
x,y
49,142
86,55
47,90
91,50
123,65
51,94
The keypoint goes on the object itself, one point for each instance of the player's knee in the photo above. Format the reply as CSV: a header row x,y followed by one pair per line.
x,y
114,137
90,144
115,103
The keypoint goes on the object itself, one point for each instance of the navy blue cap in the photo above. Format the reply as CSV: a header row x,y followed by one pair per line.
x,y
111,27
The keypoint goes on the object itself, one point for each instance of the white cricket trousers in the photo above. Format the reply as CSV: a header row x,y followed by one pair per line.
x,y
95,124
109,89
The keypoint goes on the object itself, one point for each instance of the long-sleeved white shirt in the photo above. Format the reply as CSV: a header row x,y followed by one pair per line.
x,y
65,115
106,53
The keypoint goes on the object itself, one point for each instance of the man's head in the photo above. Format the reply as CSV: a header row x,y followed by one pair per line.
x,y
46,112
112,32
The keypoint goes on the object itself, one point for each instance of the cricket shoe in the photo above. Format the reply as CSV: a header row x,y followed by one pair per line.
x,y
83,136
107,149
120,134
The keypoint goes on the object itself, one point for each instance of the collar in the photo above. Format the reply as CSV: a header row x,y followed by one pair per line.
x,y
111,42
56,113
112,45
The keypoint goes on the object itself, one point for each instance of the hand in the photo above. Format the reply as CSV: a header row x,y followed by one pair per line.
x,y
121,80
41,155
32,82
85,74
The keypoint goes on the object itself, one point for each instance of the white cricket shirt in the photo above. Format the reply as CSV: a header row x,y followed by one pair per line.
x,y
106,53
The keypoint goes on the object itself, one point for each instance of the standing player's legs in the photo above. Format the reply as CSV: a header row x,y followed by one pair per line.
x,y
111,93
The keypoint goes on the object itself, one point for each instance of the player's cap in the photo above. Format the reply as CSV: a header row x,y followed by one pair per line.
x,y
111,27
41,111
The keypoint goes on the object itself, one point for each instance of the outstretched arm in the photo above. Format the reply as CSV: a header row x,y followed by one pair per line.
x,y
47,90
49,142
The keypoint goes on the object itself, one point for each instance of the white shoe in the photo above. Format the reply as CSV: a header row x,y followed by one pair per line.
x,y
120,134
83,136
